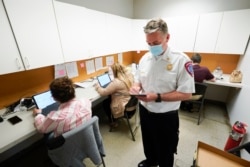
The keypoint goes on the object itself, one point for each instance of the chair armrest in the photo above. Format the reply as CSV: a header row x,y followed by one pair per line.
x,y
196,97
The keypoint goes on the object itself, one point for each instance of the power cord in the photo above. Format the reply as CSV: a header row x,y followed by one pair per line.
x,y
21,105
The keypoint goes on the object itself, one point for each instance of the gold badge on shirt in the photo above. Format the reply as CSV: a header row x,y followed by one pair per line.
x,y
169,67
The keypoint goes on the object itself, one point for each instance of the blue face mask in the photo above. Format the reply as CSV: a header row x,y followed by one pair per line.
x,y
156,50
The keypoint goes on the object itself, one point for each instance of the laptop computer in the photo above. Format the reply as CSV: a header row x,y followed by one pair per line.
x,y
45,102
104,80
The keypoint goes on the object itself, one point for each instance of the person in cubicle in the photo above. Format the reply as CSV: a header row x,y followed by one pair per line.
x,y
201,73
118,91
71,113
165,76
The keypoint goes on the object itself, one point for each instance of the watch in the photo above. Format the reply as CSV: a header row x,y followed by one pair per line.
x,y
158,99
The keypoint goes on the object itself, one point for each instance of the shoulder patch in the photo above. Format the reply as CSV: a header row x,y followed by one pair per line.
x,y
189,68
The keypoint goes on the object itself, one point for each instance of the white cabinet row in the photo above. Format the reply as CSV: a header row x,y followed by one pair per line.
x,y
207,32
31,33
234,32
10,58
223,32
182,32
87,33
38,33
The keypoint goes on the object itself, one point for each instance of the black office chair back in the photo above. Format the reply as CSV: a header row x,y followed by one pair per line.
x,y
200,88
133,101
197,98
236,150
129,112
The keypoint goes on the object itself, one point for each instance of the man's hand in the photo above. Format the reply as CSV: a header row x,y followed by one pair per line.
x,y
134,90
149,97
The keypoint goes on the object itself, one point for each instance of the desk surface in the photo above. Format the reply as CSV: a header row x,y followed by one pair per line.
x,y
208,156
225,82
14,134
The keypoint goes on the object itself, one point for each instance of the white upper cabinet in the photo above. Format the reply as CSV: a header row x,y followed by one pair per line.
x,y
74,31
207,32
82,31
138,36
119,34
88,33
182,30
234,32
34,26
10,57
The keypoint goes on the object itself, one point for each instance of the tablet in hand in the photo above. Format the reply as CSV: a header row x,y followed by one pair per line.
x,y
141,95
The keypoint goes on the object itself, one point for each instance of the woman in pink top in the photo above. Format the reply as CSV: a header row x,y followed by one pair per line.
x,y
71,113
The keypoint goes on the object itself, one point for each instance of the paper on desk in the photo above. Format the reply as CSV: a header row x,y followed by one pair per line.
x,y
84,84
89,93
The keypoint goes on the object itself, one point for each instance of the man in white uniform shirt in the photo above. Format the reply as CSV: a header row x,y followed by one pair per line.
x,y
166,77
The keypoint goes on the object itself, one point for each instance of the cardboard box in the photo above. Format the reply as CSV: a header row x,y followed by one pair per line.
x,y
209,156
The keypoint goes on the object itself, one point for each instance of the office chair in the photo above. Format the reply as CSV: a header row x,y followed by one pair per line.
x,y
198,98
236,150
72,147
130,110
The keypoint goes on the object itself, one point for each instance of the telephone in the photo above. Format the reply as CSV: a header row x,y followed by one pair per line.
x,y
23,104
26,102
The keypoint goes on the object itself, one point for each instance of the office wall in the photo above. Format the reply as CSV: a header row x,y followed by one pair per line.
x,y
26,83
238,107
227,62
146,9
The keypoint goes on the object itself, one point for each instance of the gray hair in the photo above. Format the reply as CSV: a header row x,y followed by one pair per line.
x,y
156,25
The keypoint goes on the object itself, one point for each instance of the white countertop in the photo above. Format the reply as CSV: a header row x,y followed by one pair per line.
x,y
225,82
14,134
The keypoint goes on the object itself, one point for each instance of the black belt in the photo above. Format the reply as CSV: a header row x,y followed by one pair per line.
x,y
164,113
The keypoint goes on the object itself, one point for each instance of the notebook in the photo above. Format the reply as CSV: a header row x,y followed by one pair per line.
x,y
104,80
45,102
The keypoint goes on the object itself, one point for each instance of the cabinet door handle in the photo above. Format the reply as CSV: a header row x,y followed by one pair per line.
x,y
19,66
27,65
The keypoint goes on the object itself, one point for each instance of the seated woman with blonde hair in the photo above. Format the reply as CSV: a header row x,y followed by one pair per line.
x,y
118,90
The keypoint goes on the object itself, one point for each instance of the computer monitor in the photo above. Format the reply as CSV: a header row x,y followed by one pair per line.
x,y
44,99
104,80
45,102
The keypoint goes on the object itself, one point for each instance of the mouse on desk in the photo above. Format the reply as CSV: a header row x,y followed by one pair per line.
x,y
1,119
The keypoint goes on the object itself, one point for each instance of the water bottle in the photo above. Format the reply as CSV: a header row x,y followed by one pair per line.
x,y
218,73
